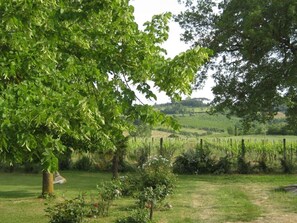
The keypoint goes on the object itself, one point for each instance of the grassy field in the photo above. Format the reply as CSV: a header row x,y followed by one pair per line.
x,y
196,121
228,198
204,120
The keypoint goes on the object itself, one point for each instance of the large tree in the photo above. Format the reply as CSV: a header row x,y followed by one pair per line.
x,y
67,68
255,50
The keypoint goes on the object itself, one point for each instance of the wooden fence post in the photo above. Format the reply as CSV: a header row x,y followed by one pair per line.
x,y
161,146
242,149
284,150
291,154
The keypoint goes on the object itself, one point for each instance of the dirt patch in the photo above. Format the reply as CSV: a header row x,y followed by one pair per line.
x,y
206,210
204,202
272,211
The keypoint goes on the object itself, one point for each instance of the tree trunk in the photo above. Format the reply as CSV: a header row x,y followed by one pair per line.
x,y
47,184
151,210
115,166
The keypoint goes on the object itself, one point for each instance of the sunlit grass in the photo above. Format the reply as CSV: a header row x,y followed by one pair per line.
x,y
206,198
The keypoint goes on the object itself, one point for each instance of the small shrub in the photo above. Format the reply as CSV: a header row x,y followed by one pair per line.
x,y
186,163
65,161
84,163
128,185
156,183
8,168
205,162
287,166
243,166
150,197
137,216
32,167
262,166
195,161
69,211
108,192
223,166
102,160
157,171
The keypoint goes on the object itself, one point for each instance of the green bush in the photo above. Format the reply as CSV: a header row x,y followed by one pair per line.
x,y
69,211
194,161
65,161
157,171
128,185
137,216
287,166
7,167
84,163
107,193
156,183
74,211
32,167
262,166
186,163
223,166
243,166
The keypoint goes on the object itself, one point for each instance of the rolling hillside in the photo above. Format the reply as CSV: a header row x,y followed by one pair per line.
x,y
193,116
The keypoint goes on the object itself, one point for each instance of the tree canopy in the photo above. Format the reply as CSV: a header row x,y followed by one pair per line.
x,y
66,74
255,49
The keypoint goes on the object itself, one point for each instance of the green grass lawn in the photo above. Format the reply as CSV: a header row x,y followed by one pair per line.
x,y
228,198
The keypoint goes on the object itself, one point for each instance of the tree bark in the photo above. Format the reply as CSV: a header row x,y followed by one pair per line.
x,y
47,184
151,210
115,166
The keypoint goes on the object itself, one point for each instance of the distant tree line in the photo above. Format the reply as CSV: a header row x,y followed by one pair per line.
x,y
182,107
195,102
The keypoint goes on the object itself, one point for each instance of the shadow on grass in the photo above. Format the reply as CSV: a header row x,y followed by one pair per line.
x,y
16,194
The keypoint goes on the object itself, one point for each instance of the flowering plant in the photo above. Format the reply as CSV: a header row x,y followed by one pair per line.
x,y
157,182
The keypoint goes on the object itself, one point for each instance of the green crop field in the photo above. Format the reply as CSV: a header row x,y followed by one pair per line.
x,y
196,121
201,124
207,199
205,120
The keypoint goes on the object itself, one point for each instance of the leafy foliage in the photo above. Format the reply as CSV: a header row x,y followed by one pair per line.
x,y
77,209
255,48
195,161
108,192
67,71
72,211
157,172
155,184
141,129
84,163
137,216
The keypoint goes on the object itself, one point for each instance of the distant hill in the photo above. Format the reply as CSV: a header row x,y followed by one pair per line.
x,y
193,116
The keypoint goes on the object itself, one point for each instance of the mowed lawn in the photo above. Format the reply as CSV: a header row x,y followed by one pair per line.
x,y
227,198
